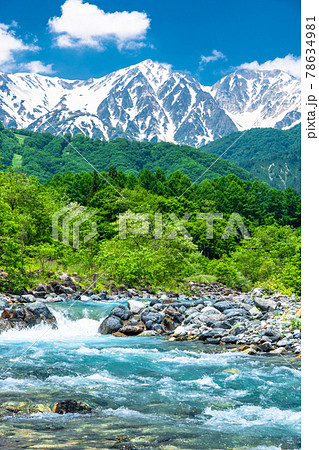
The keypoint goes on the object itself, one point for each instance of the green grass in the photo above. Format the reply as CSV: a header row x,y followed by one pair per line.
x,y
17,161
20,138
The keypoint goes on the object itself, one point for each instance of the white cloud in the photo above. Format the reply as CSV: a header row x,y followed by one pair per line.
x,y
211,58
36,67
290,64
83,24
10,45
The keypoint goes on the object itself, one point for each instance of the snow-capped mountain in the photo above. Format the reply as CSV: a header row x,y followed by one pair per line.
x,y
254,99
149,101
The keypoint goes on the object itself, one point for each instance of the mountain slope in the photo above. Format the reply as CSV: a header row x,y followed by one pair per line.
x,y
269,154
150,102
255,99
45,155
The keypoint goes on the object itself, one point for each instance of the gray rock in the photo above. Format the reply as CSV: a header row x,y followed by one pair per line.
x,y
266,347
135,306
149,325
283,343
210,318
39,309
148,315
110,325
222,324
255,313
21,316
132,330
229,339
213,341
159,306
235,312
223,305
217,332
148,333
4,325
28,298
265,304
3,301
121,311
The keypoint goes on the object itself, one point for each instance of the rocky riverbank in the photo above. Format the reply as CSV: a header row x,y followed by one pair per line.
x,y
250,322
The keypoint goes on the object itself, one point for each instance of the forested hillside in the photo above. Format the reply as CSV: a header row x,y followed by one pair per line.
x,y
271,258
269,154
44,155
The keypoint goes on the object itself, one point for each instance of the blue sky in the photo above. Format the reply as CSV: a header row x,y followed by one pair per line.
x,y
206,38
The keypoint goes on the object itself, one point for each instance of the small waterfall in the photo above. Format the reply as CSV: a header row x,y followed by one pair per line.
x,y
67,328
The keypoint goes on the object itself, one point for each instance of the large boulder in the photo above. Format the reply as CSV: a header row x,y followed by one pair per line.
x,y
121,311
265,304
135,306
110,325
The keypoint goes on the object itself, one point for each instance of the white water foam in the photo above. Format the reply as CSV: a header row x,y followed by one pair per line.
x,y
247,416
67,329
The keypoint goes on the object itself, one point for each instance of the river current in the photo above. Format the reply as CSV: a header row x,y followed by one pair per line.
x,y
147,392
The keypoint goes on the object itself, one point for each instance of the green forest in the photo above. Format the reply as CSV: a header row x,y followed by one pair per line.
x,y
271,155
41,175
44,155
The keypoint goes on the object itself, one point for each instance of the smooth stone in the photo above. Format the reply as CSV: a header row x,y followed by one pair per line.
x,y
265,304
110,325
222,324
255,313
235,312
266,347
180,331
283,343
229,339
148,333
121,311
28,298
135,306
148,315
131,330
213,341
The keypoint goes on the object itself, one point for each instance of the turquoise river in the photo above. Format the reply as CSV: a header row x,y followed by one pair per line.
x,y
147,392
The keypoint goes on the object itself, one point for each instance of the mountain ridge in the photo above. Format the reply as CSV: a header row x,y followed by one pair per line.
x,y
150,102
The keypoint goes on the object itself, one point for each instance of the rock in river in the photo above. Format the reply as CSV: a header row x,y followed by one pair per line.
x,y
71,406
135,306
121,311
132,330
22,316
110,325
